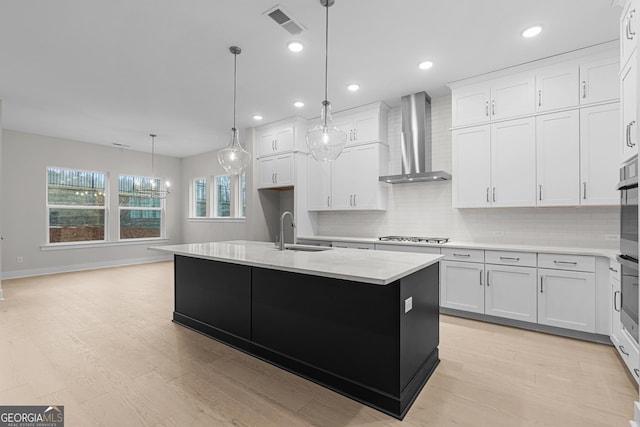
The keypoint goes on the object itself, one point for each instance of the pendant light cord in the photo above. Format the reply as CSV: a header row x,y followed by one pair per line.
x,y
235,78
326,53
153,154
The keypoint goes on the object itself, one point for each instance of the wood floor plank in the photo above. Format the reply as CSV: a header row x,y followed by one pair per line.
x,y
102,343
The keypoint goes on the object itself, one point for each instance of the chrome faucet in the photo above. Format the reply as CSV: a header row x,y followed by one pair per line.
x,y
293,224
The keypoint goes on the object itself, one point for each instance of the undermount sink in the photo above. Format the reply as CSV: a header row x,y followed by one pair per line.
x,y
306,248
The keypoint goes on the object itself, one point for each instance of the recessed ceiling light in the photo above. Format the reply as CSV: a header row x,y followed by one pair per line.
x,y
353,87
295,46
425,65
532,31
257,117
298,104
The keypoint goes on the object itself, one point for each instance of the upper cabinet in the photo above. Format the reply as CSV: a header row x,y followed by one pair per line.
x,y
363,124
599,81
556,87
280,137
628,31
628,87
494,100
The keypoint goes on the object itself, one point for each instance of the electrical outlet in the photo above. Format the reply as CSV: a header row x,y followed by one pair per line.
x,y
408,304
20,260
498,233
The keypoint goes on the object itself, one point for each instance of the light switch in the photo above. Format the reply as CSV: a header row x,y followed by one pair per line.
x,y
408,304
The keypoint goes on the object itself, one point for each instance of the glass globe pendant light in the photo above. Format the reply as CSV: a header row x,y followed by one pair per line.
x,y
234,158
324,140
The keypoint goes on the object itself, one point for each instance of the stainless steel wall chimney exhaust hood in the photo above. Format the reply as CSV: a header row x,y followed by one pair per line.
x,y
416,142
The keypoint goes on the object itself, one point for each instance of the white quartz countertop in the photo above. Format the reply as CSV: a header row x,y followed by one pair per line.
x,y
375,267
607,253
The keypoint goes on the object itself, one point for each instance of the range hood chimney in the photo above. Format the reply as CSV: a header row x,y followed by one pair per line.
x,y
416,142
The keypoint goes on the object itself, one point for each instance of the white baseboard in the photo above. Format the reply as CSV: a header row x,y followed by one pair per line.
x,y
79,267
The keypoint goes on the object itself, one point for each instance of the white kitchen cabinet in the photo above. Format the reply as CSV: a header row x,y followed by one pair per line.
x,y
558,158
513,163
462,286
364,124
276,171
628,31
510,292
599,81
494,100
566,299
318,185
471,167
629,106
276,140
354,179
557,87
599,139
494,165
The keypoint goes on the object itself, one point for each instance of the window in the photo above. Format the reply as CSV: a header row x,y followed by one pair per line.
x,y
199,194
243,196
222,196
141,216
76,205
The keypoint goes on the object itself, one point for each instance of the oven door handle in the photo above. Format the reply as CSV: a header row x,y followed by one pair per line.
x,y
626,184
625,262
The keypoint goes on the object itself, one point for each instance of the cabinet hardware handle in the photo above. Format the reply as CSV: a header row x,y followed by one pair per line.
x,y
621,347
462,255
354,199
637,372
350,199
631,144
486,108
613,269
273,179
328,204
626,27
565,262
615,300
540,192
540,98
276,177
584,190
481,277
541,284
488,271
510,258
487,194
355,134
276,144
493,107
628,134
584,89
631,33
494,194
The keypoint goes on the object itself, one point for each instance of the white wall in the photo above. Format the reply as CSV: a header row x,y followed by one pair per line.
x,y
424,209
25,158
1,228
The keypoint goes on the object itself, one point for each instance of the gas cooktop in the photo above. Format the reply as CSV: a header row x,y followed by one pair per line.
x,y
414,239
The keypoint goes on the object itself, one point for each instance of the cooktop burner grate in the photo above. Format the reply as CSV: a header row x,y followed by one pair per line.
x,y
413,239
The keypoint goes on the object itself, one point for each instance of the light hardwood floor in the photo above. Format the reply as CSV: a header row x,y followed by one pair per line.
x,y
102,344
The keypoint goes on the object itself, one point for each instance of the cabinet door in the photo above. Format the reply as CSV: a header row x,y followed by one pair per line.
x,y
470,105
599,136
628,84
557,87
512,97
599,81
266,143
513,173
366,127
318,185
558,159
566,299
342,181
511,292
284,170
462,286
266,167
628,30
284,140
365,177
616,306
471,167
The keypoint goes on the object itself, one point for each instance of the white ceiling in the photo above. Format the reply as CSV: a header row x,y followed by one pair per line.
x,y
105,71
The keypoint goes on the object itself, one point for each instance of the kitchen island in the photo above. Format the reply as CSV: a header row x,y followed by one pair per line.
x,y
362,323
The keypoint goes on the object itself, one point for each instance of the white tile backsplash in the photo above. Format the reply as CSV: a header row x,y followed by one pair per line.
x,y
424,209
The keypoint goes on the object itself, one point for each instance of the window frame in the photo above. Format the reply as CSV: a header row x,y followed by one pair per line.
x,y
214,201
193,199
235,195
104,207
161,209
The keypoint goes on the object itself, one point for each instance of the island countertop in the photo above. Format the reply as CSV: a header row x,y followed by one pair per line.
x,y
375,267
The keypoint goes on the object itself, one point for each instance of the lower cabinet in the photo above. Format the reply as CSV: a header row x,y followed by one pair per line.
x,y
621,340
462,285
567,299
510,292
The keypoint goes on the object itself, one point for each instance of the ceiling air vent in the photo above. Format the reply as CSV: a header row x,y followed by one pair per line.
x,y
284,20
